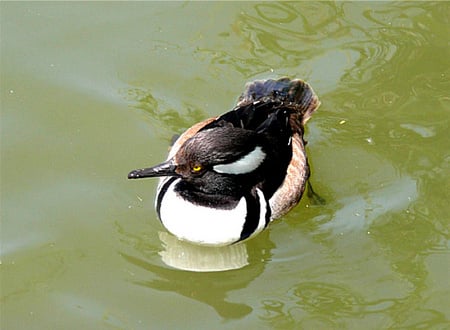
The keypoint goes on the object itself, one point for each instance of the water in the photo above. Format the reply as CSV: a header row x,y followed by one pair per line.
x,y
90,91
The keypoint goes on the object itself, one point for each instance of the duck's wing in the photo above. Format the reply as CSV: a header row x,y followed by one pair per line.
x,y
299,97
300,101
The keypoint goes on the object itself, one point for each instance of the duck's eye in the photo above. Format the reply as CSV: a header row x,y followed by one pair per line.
x,y
196,168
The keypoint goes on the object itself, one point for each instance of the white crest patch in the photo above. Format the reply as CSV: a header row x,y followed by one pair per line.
x,y
246,164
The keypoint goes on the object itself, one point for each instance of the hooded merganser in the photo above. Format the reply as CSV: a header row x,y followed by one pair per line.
x,y
227,177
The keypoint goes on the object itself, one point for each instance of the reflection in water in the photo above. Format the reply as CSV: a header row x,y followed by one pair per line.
x,y
209,287
211,290
185,256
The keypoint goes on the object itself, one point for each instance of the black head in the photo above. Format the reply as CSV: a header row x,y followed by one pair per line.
x,y
213,158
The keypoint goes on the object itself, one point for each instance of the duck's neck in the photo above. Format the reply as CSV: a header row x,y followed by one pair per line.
x,y
223,194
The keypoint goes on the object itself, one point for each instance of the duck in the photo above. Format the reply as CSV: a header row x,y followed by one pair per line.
x,y
228,177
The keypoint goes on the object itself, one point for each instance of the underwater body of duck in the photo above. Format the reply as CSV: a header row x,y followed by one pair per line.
x,y
227,178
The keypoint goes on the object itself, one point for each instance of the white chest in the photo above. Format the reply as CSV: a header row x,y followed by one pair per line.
x,y
203,225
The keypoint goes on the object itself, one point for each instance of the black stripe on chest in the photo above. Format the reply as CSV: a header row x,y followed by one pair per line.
x,y
253,212
161,194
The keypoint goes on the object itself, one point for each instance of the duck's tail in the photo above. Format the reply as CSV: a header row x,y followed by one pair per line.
x,y
293,94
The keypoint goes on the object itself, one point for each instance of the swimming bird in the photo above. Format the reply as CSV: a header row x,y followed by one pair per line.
x,y
226,178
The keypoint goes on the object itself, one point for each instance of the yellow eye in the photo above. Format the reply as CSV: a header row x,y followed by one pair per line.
x,y
196,168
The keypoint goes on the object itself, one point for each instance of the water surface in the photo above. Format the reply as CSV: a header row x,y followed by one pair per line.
x,y
90,91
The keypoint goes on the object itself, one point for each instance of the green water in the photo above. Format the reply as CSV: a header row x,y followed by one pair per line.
x,y
90,91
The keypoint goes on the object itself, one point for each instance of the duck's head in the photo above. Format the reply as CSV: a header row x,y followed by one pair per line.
x,y
210,154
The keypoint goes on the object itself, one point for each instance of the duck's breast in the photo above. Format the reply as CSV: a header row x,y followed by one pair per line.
x,y
205,225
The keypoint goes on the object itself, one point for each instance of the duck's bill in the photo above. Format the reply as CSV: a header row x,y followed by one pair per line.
x,y
164,169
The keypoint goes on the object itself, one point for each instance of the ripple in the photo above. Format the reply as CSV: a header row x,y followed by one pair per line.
x,y
421,130
335,299
163,114
275,13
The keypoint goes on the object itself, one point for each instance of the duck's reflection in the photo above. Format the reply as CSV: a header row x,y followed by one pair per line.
x,y
185,256
207,274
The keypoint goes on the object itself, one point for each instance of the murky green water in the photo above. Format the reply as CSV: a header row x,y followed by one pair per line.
x,y
90,91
